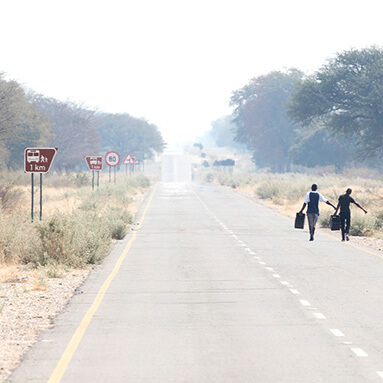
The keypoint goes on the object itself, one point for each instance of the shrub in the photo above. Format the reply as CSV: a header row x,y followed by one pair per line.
x,y
269,189
17,236
72,240
362,226
324,219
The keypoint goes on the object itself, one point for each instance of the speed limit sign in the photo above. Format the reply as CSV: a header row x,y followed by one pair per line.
x,y
112,158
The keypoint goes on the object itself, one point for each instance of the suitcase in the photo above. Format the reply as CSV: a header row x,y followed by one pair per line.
x,y
299,221
335,222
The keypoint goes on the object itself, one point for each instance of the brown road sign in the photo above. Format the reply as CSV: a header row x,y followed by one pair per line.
x,y
38,160
94,162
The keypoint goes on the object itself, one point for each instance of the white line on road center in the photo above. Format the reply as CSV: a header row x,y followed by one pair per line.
x,y
359,352
380,373
305,303
336,332
276,276
319,315
296,292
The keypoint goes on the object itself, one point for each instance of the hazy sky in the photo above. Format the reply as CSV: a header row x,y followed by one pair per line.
x,y
173,62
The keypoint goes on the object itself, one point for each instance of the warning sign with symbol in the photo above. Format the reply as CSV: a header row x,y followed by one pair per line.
x,y
129,160
38,160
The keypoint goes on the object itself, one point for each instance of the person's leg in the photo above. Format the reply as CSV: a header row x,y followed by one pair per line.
x,y
348,224
342,222
311,221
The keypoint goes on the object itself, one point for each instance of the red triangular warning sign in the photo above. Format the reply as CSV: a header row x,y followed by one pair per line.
x,y
128,160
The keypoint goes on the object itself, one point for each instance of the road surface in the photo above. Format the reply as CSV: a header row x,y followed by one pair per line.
x,y
214,287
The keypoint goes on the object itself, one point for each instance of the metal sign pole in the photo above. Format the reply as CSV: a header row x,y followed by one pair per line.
x,y
115,174
110,174
98,178
41,196
32,183
92,180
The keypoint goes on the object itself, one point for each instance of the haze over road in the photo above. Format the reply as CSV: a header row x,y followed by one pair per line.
x,y
216,288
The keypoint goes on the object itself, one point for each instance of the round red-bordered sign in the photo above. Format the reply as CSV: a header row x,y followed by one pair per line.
x,y
112,158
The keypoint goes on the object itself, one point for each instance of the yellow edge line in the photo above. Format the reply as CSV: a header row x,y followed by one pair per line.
x,y
65,359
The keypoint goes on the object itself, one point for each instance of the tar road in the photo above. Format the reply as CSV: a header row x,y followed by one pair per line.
x,y
213,287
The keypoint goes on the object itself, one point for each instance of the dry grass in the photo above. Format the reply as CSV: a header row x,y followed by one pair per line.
x,y
77,222
285,193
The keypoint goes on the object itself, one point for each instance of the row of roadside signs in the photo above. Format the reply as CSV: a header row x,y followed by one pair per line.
x,y
113,159
39,160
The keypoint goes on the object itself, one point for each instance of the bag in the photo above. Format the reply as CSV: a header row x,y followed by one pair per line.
x,y
335,222
299,221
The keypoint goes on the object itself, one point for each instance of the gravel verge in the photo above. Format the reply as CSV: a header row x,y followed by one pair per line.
x,y
27,306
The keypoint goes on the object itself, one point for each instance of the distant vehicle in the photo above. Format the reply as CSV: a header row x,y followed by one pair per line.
x,y
33,156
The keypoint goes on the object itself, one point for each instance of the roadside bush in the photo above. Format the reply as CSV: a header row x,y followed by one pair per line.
x,y
362,225
378,220
10,197
269,189
324,219
16,238
118,219
72,240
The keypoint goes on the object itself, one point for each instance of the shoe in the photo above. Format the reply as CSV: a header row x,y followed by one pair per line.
x,y
311,238
347,237
342,240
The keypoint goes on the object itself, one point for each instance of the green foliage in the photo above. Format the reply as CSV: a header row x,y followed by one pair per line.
x,y
269,189
73,132
72,240
21,125
362,225
261,119
124,133
346,96
223,132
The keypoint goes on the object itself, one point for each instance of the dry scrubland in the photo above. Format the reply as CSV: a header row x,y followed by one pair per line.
x,y
78,225
42,263
285,192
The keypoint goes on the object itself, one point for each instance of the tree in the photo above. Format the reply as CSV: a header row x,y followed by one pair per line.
x,y
73,132
21,125
346,97
223,133
261,120
126,134
313,147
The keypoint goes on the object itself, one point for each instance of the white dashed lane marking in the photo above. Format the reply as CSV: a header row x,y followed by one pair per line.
x,y
359,352
336,332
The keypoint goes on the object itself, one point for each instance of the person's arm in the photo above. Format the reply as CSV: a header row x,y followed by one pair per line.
x,y
322,199
337,208
360,207
303,208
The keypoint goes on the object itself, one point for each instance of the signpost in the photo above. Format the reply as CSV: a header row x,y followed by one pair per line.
x,y
128,161
94,164
112,159
38,160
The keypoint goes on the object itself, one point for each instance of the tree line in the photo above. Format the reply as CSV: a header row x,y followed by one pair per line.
x,y
331,117
28,119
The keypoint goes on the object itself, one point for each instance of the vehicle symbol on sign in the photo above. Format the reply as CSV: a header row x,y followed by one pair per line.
x,y
33,156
